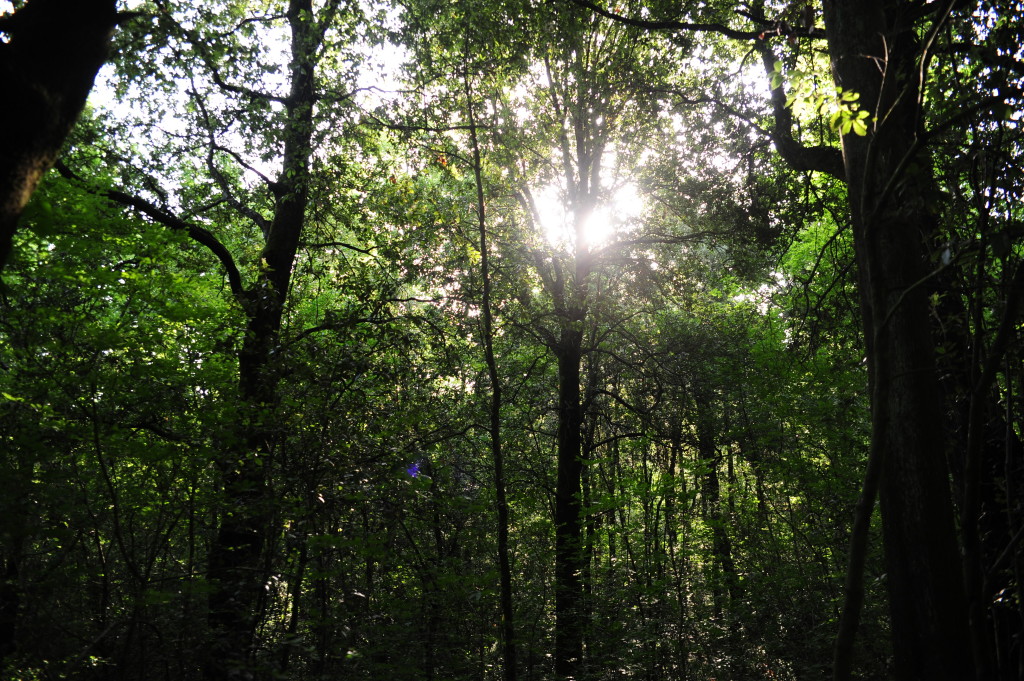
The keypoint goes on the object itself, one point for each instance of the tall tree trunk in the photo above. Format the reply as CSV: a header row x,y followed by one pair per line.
x,y
47,68
236,570
569,555
725,582
674,491
875,51
497,455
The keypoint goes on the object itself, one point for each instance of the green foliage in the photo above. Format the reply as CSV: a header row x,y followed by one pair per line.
x,y
840,108
724,395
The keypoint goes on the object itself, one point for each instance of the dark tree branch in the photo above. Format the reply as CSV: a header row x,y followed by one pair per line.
x,y
160,431
823,158
616,250
339,325
199,210
619,399
226,189
686,100
536,330
222,182
339,244
769,28
614,438
159,215
271,184
670,25
219,81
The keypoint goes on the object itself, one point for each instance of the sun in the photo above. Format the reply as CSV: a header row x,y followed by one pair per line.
x,y
613,217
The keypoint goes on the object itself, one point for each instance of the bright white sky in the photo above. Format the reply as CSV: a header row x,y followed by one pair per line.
x,y
608,220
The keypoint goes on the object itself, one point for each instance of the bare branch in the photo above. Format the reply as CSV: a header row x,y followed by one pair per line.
x,y
218,176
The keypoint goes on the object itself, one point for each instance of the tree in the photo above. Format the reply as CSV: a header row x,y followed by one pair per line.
x,y
237,560
48,62
927,600
879,60
582,116
497,453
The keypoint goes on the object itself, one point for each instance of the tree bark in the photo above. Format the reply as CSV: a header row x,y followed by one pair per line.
x,y
236,570
497,454
725,585
569,555
47,68
875,53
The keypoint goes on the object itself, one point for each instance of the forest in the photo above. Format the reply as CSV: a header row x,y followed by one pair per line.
x,y
511,340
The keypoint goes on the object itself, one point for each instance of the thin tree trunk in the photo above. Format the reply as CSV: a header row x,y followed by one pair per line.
x,y
726,583
10,596
497,455
296,588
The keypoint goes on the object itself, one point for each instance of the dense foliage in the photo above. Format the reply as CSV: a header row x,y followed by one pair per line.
x,y
514,339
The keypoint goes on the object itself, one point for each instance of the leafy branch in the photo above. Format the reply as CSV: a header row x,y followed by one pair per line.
x,y
164,217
